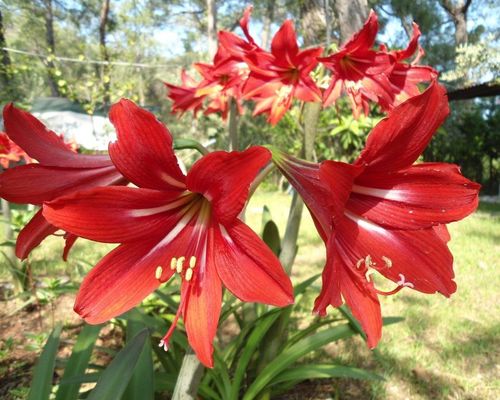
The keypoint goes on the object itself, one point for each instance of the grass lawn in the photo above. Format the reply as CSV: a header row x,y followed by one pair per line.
x,y
445,348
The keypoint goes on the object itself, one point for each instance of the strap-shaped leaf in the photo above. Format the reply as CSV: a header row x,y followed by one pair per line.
x,y
319,371
116,376
41,384
293,353
252,343
141,385
271,237
78,362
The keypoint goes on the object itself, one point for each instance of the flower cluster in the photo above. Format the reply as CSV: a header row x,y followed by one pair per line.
x,y
382,214
242,70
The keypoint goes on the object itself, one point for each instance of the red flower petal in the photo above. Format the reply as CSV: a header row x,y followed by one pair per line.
x,y
339,280
224,178
121,280
398,140
70,240
33,234
418,197
244,23
117,214
144,141
202,310
412,45
364,305
365,37
248,268
35,183
44,145
442,232
284,45
330,289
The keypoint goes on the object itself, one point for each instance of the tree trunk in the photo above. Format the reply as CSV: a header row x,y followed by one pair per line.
x,y
5,76
458,13
266,24
105,70
351,15
312,15
212,27
51,45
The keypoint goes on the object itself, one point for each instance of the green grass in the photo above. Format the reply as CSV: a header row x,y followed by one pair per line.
x,y
445,348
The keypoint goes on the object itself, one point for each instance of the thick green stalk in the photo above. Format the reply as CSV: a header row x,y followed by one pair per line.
x,y
186,386
311,115
278,333
233,125
8,251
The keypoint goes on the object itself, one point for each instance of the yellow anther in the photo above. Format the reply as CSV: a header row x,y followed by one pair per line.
x,y
158,272
388,261
360,261
192,262
368,273
180,262
189,274
368,261
173,263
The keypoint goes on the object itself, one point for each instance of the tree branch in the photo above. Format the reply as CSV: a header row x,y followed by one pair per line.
x,y
472,92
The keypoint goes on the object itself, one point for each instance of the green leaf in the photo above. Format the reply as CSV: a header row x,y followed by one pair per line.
x,y
353,322
271,237
79,379
266,217
314,326
141,385
115,378
41,384
319,371
251,344
78,362
302,286
293,353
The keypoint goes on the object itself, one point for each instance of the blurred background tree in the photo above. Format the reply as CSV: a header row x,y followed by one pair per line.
x,y
94,52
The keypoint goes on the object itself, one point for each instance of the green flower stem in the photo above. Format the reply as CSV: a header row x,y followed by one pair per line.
x,y
181,144
311,113
186,386
8,251
233,125
259,178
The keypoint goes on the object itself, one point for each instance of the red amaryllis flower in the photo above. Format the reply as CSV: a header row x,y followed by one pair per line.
x,y
185,96
59,171
385,214
236,46
360,71
10,152
221,82
171,224
405,77
276,78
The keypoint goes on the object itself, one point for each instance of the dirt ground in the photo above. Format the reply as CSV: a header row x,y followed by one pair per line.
x,y
23,332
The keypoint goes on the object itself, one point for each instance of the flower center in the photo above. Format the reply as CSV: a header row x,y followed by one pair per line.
x,y
190,265
366,266
283,93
